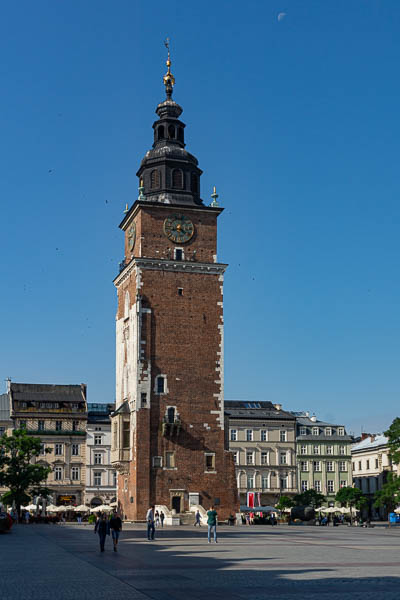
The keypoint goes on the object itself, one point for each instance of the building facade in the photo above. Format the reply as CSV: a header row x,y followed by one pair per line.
x,y
168,439
262,439
57,415
6,423
323,456
371,465
101,477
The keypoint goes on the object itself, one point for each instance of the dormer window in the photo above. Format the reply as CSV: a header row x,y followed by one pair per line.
x,y
155,179
315,431
177,179
328,431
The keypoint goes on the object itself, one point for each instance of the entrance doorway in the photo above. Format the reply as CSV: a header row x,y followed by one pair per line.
x,y
176,503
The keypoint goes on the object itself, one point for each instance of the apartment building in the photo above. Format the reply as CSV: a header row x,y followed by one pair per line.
x,y
371,464
323,456
56,414
262,439
101,477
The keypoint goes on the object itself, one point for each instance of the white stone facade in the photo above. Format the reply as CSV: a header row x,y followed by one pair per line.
x,y
100,475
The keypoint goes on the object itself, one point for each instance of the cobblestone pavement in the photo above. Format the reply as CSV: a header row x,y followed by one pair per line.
x,y
63,562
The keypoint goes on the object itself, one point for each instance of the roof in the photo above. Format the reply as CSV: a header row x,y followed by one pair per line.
x,y
256,410
4,407
369,443
309,422
100,413
122,409
33,392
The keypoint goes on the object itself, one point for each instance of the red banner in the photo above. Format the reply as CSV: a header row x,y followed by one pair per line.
x,y
250,499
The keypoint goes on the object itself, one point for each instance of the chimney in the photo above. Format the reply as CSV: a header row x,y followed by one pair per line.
x,y
373,436
313,418
278,406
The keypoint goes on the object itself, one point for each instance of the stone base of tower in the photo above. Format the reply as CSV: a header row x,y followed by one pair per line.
x,y
179,494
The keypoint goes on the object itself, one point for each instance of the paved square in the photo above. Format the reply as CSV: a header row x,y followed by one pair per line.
x,y
44,562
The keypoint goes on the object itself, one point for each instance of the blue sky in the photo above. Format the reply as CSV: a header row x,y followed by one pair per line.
x,y
296,122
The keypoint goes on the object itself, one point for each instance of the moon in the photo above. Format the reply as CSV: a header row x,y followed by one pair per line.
x,y
281,16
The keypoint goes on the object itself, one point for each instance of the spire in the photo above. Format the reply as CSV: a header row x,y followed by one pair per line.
x,y
169,79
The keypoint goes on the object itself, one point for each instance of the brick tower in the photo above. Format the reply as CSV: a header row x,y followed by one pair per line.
x,y
168,433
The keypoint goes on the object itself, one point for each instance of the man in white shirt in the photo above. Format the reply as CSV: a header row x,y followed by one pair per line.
x,y
150,523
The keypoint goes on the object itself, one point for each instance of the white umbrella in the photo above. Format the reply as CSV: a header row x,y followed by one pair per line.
x,y
332,509
102,508
60,509
81,508
32,507
321,509
114,504
397,510
344,510
51,508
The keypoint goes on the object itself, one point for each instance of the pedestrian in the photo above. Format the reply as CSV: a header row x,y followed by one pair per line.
x,y
197,519
150,523
27,517
247,519
102,527
162,517
157,518
115,526
212,516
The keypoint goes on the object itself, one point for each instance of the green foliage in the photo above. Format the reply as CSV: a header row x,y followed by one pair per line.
x,y
309,498
351,497
92,518
17,473
284,502
393,434
389,496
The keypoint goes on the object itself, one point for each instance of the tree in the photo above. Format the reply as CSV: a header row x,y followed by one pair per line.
x,y
351,497
284,502
393,434
389,496
17,473
309,498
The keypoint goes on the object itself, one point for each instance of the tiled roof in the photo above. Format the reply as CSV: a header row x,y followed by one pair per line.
x,y
380,440
32,392
4,407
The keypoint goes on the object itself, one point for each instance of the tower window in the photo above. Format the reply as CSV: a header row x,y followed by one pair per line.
x,y
171,414
143,397
171,131
155,179
177,179
194,183
178,254
180,134
180,291
160,384
160,132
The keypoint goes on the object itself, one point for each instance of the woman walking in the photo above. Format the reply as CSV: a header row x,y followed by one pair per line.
x,y
102,527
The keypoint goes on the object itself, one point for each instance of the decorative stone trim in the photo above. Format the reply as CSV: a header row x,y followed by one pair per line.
x,y
154,264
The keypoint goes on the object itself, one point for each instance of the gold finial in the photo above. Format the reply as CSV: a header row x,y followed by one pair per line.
x,y
126,208
169,79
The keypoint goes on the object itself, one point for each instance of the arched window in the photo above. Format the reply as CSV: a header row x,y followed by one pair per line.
x,y
171,131
155,179
160,132
194,183
177,179
180,134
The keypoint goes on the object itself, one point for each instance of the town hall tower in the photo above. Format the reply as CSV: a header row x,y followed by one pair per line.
x,y
168,432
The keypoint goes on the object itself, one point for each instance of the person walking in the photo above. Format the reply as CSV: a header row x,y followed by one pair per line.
x,y
157,519
162,517
102,527
115,527
197,519
212,516
150,523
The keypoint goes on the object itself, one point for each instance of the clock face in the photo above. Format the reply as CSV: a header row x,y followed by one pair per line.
x,y
178,229
131,236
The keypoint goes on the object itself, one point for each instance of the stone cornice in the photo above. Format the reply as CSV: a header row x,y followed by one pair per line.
x,y
156,264
138,204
